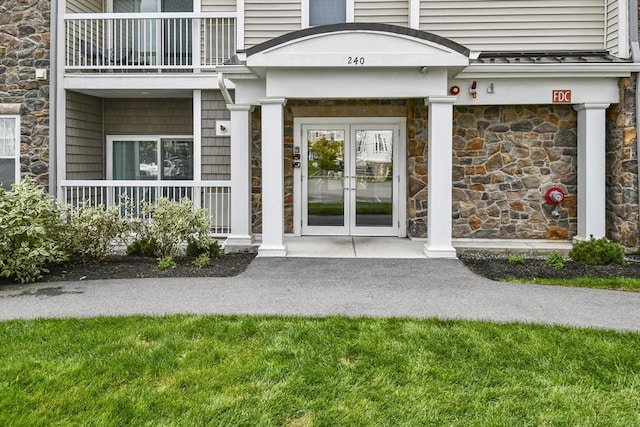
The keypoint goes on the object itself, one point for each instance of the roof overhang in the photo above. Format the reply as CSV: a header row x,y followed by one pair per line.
x,y
354,45
549,64
548,70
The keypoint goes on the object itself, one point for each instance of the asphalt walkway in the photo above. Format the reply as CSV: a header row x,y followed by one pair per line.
x,y
416,288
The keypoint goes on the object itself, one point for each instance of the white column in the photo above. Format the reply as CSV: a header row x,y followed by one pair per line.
x,y
272,177
591,170
61,102
241,236
439,172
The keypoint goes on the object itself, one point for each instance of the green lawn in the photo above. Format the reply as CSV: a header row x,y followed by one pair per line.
x,y
272,371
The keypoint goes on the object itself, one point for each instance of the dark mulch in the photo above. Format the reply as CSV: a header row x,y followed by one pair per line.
x,y
128,267
500,268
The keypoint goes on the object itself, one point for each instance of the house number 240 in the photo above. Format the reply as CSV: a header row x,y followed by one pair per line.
x,y
355,60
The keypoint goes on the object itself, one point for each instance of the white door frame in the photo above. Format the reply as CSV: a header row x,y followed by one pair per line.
x,y
400,162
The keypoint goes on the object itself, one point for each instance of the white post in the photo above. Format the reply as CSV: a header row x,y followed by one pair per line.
x,y
197,146
440,168
414,14
239,26
61,102
591,170
272,177
241,237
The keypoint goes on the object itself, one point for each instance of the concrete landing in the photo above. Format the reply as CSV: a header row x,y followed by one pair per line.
x,y
395,247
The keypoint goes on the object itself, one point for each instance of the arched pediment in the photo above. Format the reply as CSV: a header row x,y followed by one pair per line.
x,y
358,45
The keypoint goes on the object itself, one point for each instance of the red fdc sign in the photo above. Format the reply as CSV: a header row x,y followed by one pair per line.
x,y
561,96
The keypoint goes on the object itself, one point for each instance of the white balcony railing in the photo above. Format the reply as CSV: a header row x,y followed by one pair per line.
x,y
148,41
214,196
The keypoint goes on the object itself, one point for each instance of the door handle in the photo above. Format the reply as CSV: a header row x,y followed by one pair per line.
x,y
349,182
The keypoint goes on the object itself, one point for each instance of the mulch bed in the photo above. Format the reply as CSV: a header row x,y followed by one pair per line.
x,y
128,267
500,269
491,267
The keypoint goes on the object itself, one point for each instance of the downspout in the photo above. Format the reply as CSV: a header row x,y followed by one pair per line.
x,y
635,55
223,88
53,89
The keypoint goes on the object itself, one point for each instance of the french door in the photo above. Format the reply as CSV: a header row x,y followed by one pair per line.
x,y
350,179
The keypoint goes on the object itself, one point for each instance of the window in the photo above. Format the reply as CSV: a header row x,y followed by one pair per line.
x,y
151,158
9,150
324,12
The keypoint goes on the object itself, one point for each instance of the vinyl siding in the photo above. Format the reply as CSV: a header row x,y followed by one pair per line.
x,y
216,151
148,117
517,25
84,143
383,12
612,27
265,20
218,6
85,6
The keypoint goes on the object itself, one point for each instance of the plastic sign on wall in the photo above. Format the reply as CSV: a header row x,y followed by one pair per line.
x,y
561,96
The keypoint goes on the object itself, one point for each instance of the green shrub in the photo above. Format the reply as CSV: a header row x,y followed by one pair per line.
x,y
555,260
194,251
29,230
202,261
166,263
142,247
514,259
600,251
88,231
170,224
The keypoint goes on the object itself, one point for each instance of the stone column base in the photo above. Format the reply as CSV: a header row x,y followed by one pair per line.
x,y
239,243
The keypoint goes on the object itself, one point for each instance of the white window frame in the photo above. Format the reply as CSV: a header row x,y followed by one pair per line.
x,y
16,155
157,139
304,9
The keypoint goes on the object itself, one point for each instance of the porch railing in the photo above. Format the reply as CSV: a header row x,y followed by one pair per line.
x,y
214,196
148,41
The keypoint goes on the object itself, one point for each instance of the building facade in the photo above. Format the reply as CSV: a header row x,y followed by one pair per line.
x,y
429,119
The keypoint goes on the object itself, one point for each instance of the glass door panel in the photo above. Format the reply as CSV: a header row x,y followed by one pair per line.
x,y
349,180
134,160
325,163
374,178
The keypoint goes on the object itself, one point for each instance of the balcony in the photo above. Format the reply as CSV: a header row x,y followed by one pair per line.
x,y
213,196
148,42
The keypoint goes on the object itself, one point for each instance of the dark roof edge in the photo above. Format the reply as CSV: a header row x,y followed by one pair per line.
x,y
353,26
558,55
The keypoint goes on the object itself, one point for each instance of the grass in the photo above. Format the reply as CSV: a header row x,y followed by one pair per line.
x,y
616,283
273,371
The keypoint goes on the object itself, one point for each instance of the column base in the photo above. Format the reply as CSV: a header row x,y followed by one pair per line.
x,y
239,243
441,252
272,251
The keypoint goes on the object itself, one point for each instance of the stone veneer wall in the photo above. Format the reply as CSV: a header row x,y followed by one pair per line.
x,y
504,160
25,46
256,170
417,149
622,168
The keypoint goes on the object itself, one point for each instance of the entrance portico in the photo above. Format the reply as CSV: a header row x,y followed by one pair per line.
x,y
345,61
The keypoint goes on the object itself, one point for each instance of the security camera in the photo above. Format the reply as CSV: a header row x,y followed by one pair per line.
x,y
223,128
